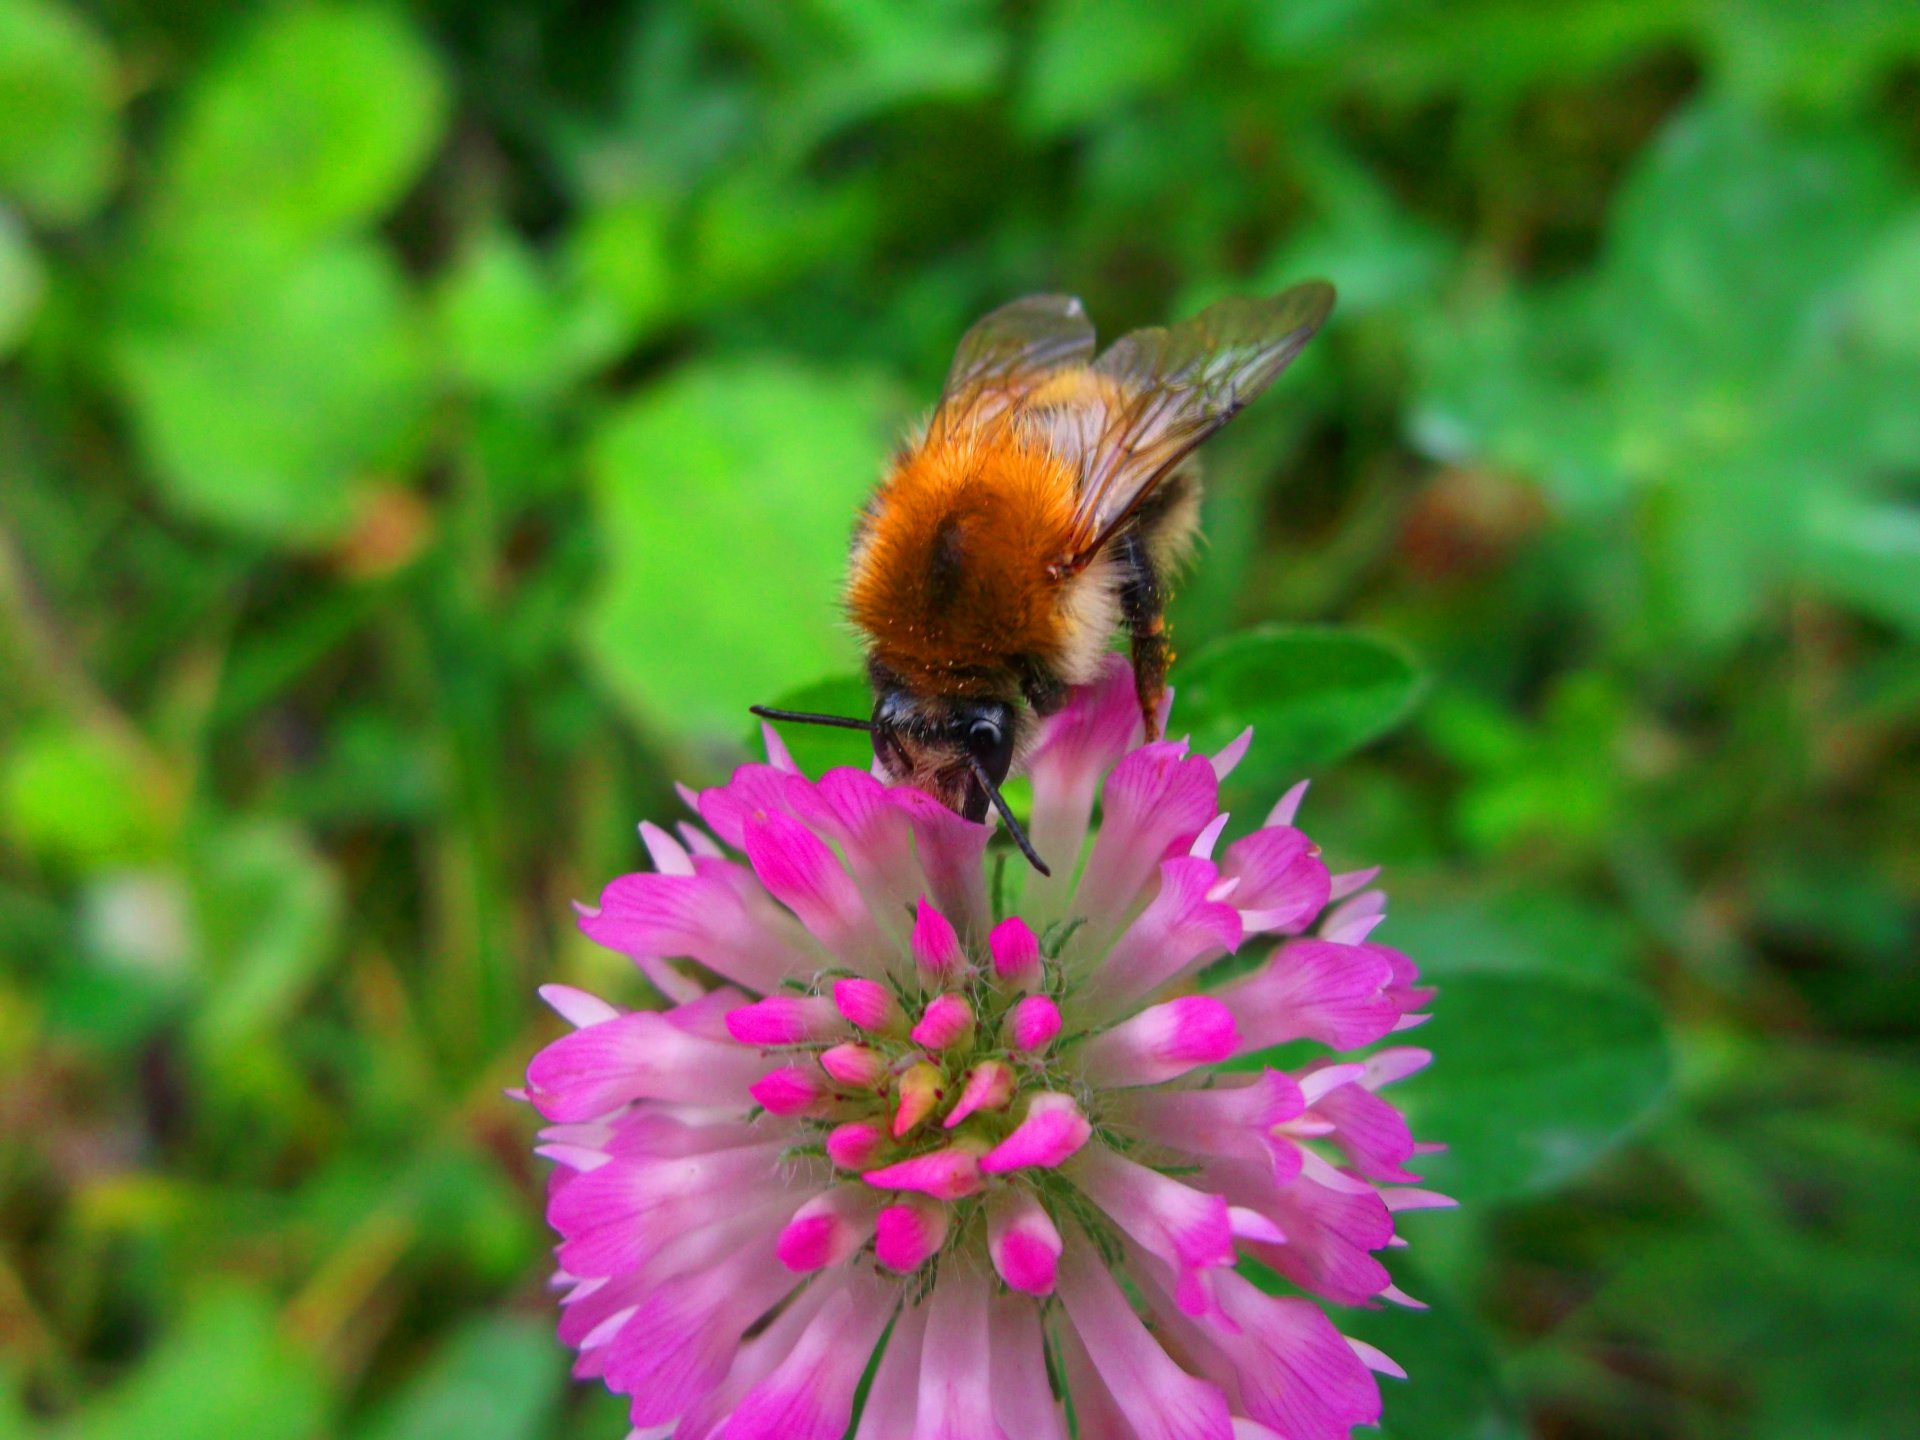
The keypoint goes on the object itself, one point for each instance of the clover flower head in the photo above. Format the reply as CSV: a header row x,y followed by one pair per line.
x,y
1024,1153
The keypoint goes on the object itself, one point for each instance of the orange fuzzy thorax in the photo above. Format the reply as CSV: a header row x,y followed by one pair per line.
x,y
951,576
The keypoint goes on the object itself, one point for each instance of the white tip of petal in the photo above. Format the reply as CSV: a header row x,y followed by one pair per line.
x,y
1411,1022
1374,1359
1352,882
1232,753
689,796
1289,805
698,841
1204,842
778,755
669,856
574,1157
1316,1083
1252,1225
577,1007
517,1092
607,1329
1400,1297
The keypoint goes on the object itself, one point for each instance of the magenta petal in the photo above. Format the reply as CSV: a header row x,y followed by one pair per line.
x,y
785,1020
1283,881
946,1174
1162,1043
801,871
828,1229
1016,954
1297,1373
637,1056
1033,1022
936,948
1187,1228
1159,1400
907,1233
953,1404
809,1396
1317,990
1023,1241
1155,802
1053,1129
717,916
1180,930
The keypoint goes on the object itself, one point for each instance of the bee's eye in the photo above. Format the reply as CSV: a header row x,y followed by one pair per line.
x,y
991,744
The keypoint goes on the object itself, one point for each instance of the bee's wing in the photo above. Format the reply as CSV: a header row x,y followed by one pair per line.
x,y
1181,384
1009,351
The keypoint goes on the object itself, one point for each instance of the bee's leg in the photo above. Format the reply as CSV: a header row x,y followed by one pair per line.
x,y
1143,603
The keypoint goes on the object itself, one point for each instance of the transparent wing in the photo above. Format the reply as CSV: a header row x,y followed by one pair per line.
x,y
1009,351
1179,385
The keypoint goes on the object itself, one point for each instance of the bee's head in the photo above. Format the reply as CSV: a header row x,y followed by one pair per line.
x,y
957,749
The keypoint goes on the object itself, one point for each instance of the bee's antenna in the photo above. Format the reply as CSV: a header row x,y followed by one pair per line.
x,y
807,717
1013,825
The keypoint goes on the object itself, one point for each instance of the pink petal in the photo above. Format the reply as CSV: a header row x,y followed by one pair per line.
x,y
577,1007
1283,880
1162,1043
785,1020
1186,1228
1023,1400
829,1229
990,1086
1318,990
1225,1119
936,948
1297,1373
908,1232
635,1057
856,1145
1155,802
1023,1242
1077,746
1016,953
870,1006
953,1404
855,1066
801,871
1033,1022
893,1399
1159,1400
718,916
1180,930
792,1090
948,1174
951,851
947,1021
1053,1129
809,1396
921,1089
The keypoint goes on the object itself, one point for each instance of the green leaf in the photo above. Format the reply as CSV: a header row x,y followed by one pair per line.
x,y
1534,1078
1312,695
498,1378
725,498
262,416
226,1371
23,283
315,122
267,908
78,798
1453,1390
59,146
819,748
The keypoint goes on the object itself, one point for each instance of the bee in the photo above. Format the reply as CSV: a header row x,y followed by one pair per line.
x,y
1042,510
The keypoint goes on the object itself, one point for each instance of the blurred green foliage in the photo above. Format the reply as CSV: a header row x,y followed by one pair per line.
x,y
424,429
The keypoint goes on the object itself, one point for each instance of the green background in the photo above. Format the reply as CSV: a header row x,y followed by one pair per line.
x,y
424,429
